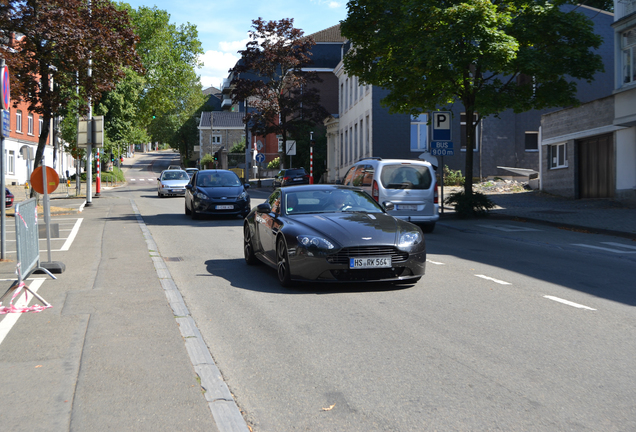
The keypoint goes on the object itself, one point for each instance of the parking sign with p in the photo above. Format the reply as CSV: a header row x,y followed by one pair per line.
x,y
442,126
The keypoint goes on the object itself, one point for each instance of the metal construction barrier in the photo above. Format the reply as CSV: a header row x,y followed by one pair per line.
x,y
28,256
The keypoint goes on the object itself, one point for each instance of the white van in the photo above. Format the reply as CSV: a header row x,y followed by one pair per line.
x,y
409,184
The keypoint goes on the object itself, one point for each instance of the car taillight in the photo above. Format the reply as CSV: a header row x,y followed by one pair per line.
x,y
436,196
375,192
286,178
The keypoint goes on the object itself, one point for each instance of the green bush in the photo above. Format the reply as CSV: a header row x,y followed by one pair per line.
x,y
476,205
274,164
114,176
453,178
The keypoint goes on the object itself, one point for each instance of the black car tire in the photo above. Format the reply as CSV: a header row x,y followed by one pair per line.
x,y
195,215
187,210
282,264
428,227
248,247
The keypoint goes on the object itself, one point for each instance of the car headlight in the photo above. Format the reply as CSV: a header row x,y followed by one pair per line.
x,y
202,196
242,196
409,239
314,242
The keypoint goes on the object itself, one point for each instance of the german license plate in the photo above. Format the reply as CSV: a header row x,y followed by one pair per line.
x,y
377,262
224,207
297,179
407,207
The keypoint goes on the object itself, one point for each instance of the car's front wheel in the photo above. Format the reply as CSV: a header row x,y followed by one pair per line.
x,y
187,210
282,259
248,246
428,227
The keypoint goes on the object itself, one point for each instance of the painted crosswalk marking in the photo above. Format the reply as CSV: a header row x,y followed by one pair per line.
x,y
607,249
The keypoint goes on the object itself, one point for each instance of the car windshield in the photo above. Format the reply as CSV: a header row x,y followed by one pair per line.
x,y
218,179
406,176
175,175
330,201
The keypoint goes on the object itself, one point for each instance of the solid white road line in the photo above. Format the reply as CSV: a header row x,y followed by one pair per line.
x,y
493,279
7,322
619,245
434,262
605,249
71,237
567,302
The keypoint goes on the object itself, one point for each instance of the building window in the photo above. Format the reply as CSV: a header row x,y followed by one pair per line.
x,y
346,146
18,121
532,141
346,95
30,127
367,139
216,139
419,133
557,156
462,122
355,141
628,46
11,162
342,98
40,124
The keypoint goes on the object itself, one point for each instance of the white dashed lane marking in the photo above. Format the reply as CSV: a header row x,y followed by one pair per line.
x,y
567,302
494,280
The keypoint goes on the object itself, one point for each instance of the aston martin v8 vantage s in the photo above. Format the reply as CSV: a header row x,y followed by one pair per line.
x,y
329,233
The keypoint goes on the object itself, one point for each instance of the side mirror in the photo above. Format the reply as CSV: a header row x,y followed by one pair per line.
x,y
264,208
389,206
246,185
189,186
158,179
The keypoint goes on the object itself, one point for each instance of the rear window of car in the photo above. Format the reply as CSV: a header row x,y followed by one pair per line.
x,y
295,172
406,176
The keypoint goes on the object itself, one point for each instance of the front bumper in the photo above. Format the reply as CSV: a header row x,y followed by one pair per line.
x,y
222,207
322,269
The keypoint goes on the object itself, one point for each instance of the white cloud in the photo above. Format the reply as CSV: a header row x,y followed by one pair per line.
x,y
334,5
216,65
234,46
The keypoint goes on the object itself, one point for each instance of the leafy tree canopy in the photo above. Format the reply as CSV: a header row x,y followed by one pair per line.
x,y
488,55
269,76
54,41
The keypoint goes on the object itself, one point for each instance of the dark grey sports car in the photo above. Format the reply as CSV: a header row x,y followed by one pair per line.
x,y
327,233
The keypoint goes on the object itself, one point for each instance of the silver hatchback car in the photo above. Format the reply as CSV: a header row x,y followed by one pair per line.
x,y
410,185
172,183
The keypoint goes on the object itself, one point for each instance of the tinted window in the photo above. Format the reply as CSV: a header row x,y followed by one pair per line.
x,y
217,179
274,201
295,172
403,176
363,175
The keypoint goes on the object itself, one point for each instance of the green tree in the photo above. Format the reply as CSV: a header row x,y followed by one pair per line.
x,y
489,56
170,55
269,76
49,57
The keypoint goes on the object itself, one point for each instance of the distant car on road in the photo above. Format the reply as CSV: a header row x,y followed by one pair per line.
x,y
328,233
8,202
191,171
174,167
216,192
172,183
290,177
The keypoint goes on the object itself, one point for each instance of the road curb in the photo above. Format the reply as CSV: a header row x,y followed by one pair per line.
x,y
225,412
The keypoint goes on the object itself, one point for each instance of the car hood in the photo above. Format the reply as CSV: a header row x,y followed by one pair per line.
x,y
354,228
221,191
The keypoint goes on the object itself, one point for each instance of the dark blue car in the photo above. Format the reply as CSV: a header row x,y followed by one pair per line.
x,y
216,192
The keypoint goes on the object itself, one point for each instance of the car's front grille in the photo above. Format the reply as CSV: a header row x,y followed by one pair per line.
x,y
342,257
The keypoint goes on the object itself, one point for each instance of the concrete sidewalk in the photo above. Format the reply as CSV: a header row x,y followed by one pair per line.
x,y
109,354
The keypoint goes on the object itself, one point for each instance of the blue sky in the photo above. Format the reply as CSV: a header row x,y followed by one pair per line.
x,y
223,25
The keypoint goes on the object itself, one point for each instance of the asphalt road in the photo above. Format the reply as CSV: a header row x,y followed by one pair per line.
x,y
514,327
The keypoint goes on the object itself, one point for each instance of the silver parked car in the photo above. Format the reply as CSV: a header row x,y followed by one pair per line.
x,y
172,183
410,185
